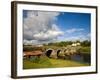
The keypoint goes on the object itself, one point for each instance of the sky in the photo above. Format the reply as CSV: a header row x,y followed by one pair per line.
x,y
47,26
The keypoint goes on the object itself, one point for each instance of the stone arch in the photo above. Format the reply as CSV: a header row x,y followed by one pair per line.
x,y
61,54
58,51
48,52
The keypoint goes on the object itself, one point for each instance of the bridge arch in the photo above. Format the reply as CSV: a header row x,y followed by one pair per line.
x,y
58,52
48,52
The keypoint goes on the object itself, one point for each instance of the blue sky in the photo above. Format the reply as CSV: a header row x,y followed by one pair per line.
x,y
78,23
69,20
46,26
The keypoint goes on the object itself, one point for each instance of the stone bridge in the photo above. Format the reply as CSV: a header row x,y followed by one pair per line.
x,y
62,52
54,52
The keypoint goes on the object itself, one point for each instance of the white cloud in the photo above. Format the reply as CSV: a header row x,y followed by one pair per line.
x,y
40,26
29,42
74,30
80,37
48,35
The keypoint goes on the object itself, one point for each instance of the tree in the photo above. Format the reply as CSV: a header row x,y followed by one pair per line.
x,y
86,43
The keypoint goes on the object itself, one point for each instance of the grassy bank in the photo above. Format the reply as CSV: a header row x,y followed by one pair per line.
x,y
50,63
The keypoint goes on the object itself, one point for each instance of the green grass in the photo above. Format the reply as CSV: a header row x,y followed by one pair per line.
x,y
45,62
85,50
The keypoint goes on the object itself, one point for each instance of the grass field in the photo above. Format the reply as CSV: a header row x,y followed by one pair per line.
x,y
50,63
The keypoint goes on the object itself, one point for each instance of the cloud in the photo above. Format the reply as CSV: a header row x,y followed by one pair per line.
x,y
74,30
80,37
76,34
40,26
50,34
29,42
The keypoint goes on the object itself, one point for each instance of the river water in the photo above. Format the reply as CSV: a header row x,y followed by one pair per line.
x,y
84,58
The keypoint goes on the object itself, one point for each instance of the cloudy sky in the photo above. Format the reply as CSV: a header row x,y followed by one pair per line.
x,y
44,26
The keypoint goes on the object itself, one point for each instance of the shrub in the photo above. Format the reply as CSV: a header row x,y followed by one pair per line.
x,y
32,48
85,50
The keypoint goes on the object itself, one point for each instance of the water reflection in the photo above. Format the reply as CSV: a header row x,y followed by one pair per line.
x,y
83,58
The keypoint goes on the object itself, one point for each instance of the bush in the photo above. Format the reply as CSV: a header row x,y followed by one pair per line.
x,y
41,60
32,48
86,43
85,50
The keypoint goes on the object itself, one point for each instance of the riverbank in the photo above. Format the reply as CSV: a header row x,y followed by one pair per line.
x,y
50,63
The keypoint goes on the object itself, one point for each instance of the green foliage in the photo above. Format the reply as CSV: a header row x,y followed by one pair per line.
x,y
86,43
36,62
85,50
77,41
32,48
65,43
42,59
61,44
27,48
